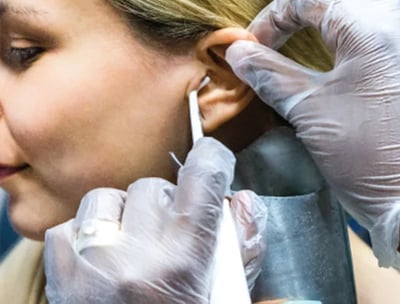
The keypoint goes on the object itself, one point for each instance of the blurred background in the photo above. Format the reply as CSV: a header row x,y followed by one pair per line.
x,y
8,236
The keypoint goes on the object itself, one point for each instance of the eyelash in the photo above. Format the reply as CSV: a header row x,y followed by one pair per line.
x,y
23,57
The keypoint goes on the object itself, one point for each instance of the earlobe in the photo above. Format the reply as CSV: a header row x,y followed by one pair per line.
x,y
226,95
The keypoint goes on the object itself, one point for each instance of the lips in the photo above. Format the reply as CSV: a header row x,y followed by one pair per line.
x,y
6,171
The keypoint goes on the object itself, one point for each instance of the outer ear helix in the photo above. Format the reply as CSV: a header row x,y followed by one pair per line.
x,y
226,96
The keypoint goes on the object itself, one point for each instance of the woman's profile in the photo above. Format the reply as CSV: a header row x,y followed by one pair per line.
x,y
94,94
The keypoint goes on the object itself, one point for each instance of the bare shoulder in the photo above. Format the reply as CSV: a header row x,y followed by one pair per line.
x,y
374,285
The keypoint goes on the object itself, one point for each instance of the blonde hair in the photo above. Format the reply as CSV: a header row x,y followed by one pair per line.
x,y
176,25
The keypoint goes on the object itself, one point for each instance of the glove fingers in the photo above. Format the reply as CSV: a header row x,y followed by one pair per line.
x,y
66,270
281,18
98,218
202,184
250,217
58,254
104,204
205,178
278,81
147,206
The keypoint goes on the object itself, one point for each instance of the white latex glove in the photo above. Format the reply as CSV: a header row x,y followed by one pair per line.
x,y
348,118
154,243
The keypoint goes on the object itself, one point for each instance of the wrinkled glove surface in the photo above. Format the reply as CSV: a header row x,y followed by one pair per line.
x,y
154,243
349,117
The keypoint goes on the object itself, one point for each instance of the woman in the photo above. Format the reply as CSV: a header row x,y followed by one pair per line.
x,y
52,148
94,94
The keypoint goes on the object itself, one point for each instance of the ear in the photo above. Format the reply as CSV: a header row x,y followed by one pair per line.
x,y
226,95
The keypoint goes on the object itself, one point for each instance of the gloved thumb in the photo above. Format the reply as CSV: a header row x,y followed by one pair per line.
x,y
278,81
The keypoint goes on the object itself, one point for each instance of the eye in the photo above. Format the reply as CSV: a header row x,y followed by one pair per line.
x,y
22,57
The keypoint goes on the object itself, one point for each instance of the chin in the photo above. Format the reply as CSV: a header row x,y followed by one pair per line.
x,y
29,226
32,217
33,233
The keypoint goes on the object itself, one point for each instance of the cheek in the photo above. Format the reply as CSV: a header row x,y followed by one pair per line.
x,y
43,115
55,101
94,125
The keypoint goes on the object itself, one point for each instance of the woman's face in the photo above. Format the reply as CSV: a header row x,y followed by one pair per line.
x,y
83,104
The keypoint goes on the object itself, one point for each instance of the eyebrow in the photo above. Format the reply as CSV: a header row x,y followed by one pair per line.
x,y
26,11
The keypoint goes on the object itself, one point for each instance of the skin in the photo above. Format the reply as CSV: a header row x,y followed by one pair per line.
x,y
374,285
94,109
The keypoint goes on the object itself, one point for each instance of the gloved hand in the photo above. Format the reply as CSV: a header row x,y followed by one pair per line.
x,y
348,118
155,242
